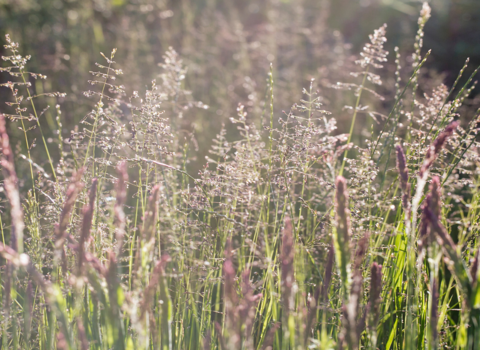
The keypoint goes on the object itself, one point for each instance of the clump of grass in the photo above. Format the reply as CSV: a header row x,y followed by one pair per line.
x,y
292,236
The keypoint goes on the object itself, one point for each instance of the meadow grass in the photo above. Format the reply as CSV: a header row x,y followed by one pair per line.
x,y
292,236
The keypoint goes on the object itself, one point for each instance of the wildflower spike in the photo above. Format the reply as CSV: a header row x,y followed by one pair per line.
x,y
87,212
11,188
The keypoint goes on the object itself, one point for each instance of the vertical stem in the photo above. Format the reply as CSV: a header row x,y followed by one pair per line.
x,y
352,126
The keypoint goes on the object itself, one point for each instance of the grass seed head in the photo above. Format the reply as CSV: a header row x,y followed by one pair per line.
x,y
437,145
10,183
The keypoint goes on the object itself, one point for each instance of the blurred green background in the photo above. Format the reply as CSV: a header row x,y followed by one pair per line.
x,y
228,46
